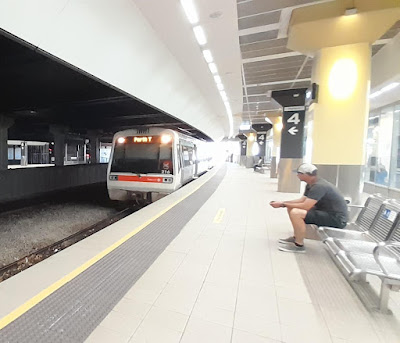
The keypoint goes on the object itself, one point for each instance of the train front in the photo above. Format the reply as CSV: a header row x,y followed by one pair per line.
x,y
141,165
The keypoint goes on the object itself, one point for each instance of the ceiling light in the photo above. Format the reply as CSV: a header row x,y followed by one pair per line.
x,y
350,11
213,68
190,11
216,15
244,127
207,55
223,95
200,35
268,120
220,86
384,89
217,79
390,87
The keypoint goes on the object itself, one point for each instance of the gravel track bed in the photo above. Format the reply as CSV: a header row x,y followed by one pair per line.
x,y
24,231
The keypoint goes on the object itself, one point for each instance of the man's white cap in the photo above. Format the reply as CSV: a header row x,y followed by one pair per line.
x,y
306,168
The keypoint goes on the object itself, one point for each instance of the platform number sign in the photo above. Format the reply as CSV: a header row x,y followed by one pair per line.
x,y
292,132
261,143
243,148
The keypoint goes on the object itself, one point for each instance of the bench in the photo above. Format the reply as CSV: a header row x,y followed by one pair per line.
x,y
363,222
375,251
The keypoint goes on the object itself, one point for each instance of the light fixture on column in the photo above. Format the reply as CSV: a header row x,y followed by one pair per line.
x,y
343,78
350,11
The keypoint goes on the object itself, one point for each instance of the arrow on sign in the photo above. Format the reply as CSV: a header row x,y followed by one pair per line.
x,y
293,130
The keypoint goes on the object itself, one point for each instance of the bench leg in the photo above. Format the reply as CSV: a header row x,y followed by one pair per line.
x,y
384,297
362,278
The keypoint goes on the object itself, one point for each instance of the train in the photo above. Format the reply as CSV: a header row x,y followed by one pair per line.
x,y
149,161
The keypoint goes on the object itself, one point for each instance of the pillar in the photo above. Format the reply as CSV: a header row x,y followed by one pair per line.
x,y
5,124
59,133
94,139
339,119
251,139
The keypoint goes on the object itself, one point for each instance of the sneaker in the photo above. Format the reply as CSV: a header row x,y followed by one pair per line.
x,y
293,248
286,240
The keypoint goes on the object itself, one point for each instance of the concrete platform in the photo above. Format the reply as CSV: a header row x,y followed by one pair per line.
x,y
222,278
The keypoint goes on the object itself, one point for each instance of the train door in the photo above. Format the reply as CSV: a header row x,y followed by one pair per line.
x,y
187,162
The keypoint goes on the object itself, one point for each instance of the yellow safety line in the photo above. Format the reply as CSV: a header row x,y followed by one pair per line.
x,y
219,216
19,311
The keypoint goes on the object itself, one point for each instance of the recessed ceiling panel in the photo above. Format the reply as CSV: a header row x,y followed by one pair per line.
x,y
259,20
252,7
257,37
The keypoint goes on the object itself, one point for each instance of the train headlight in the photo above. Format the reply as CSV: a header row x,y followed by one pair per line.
x,y
167,179
165,139
121,140
113,177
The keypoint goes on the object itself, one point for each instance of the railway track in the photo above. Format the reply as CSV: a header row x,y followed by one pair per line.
x,y
14,268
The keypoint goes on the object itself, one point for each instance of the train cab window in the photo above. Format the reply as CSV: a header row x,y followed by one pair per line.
x,y
142,156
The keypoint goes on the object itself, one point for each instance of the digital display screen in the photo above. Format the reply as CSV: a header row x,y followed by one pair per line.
x,y
143,139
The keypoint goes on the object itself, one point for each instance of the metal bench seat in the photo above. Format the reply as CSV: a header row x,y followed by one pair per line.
x,y
384,263
380,230
363,222
367,255
357,264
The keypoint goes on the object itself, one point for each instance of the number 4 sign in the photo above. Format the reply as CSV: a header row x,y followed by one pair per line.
x,y
295,118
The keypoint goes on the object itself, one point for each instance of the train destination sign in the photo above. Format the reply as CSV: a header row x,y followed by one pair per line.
x,y
147,139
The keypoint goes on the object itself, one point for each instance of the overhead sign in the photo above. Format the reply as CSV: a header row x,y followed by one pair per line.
x,y
292,133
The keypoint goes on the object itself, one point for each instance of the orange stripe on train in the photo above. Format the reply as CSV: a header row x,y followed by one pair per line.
x,y
140,178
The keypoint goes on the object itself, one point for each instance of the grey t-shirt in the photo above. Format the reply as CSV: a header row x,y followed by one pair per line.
x,y
328,198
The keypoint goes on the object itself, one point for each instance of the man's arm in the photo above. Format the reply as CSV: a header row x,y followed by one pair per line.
x,y
277,204
307,204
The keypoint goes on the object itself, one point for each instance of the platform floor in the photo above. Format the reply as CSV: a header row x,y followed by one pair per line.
x,y
222,278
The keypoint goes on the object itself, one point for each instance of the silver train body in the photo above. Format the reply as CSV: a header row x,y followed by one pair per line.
x,y
153,160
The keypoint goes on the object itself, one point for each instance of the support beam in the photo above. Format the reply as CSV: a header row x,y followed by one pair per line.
x,y
5,124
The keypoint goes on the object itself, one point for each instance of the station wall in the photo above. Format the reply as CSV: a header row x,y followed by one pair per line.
x,y
28,182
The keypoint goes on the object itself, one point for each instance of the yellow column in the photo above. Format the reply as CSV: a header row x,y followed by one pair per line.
x,y
340,116
339,34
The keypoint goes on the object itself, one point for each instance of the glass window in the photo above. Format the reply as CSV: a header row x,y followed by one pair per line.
x,y
394,179
17,153
10,152
142,157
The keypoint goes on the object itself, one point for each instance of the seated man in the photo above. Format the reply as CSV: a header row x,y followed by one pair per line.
x,y
259,164
322,205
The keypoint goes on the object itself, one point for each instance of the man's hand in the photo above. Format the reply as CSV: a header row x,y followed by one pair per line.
x,y
276,204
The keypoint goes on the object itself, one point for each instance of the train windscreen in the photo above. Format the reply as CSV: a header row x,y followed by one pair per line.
x,y
142,155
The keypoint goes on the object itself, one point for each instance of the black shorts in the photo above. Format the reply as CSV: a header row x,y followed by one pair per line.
x,y
322,218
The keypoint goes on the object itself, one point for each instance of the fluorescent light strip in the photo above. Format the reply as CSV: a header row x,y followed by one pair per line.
x,y
384,89
220,86
390,87
213,68
217,79
190,11
200,35
207,56
223,95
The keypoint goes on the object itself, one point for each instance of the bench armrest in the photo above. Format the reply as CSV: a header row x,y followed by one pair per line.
x,y
355,206
377,250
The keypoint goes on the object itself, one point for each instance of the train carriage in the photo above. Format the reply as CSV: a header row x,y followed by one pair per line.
x,y
152,160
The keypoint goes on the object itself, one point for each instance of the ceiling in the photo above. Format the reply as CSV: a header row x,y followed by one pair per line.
x,y
267,63
248,40
39,90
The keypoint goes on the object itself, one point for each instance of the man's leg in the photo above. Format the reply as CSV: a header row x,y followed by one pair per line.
x,y
297,216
